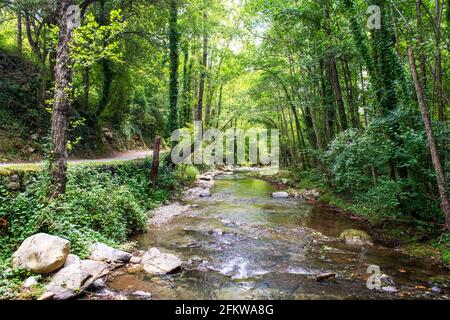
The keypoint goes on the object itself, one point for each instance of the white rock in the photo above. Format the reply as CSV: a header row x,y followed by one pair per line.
x,y
389,289
205,193
142,294
102,252
157,263
71,259
280,195
41,253
135,260
217,232
29,282
74,279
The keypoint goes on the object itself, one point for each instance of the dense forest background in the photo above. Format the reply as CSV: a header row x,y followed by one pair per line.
x,y
338,87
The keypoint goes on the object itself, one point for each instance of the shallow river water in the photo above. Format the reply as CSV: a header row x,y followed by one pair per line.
x,y
242,244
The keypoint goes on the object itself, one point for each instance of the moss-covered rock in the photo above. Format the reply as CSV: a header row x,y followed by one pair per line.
x,y
356,238
423,251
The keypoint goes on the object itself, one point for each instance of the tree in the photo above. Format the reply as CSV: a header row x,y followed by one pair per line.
x,y
60,117
440,176
174,62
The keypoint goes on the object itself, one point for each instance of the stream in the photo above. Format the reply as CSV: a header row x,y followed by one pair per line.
x,y
241,243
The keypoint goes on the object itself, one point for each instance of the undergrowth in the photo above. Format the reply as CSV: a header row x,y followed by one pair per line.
x,y
106,203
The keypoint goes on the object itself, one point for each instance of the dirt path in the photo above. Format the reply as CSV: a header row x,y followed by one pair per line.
x,y
118,156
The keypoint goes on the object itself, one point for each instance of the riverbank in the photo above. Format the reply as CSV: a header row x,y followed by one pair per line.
x,y
104,202
410,236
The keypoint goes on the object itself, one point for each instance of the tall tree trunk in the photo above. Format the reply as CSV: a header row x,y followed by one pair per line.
x,y
106,65
354,115
327,101
422,58
85,99
186,87
338,93
19,32
219,105
210,91
431,141
438,60
201,89
60,117
174,62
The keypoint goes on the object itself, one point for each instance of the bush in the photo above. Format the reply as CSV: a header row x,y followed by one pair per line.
x,y
106,203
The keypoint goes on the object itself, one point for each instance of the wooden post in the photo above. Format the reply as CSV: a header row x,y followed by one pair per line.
x,y
155,161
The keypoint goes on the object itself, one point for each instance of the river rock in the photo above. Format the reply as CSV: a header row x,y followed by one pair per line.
x,y
217,232
157,263
14,186
356,238
389,289
436,289
98,284
135,268
135,260
74,279
71,259
387,280
102,252
280,195
205,184
205,193
207,176
142,295
41,253
29,282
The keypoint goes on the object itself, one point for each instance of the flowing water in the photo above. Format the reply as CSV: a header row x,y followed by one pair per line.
x,y
243,244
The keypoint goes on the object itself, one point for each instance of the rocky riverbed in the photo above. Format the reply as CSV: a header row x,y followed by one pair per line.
x,y
235,236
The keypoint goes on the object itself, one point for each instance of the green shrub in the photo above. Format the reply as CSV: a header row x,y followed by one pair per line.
x,y
103,202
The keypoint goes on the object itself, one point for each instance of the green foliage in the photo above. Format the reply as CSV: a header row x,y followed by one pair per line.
x,y
93,42
106,203
11,279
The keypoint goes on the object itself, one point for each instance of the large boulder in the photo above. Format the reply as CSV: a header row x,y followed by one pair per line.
x,y
356,238
102,252
157,263
71,259
74,279
41,253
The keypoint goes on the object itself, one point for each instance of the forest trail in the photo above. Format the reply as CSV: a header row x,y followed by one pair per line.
x,y
117,156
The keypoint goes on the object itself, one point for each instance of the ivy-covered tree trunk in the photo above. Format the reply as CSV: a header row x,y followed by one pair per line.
x,y
174,62
201,89
338,93
185,111
106,65
354,115
60,117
